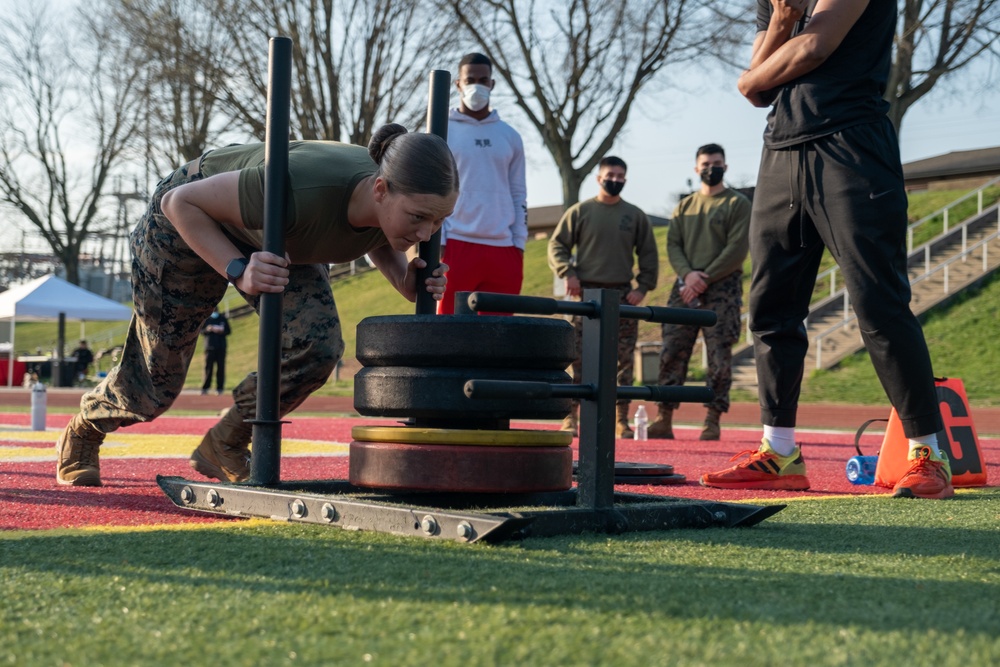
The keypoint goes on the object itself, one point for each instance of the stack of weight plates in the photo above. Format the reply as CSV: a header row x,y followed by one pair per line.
x,y
416,366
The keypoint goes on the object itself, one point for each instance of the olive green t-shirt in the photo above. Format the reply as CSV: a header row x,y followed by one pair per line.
x,y
710,234
321,177
608,239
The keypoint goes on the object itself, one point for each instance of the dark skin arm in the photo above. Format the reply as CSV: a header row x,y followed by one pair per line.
x,y
779,58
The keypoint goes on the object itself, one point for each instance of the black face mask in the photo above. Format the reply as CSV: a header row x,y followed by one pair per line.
x,y
613,188
712,176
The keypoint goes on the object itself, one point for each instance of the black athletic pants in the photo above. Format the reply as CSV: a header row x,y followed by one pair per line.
x,y
845,192
215,357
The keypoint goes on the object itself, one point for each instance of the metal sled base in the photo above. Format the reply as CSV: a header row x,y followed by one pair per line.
x,y
451,516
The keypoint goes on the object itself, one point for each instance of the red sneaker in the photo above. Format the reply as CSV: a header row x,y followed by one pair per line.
x,y
763,469
929,476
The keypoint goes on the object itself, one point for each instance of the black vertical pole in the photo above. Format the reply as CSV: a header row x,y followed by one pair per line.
x,y
596,473
437,123
265,464
59,361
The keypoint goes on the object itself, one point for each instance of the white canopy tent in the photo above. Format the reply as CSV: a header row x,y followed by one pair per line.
x,y
50,298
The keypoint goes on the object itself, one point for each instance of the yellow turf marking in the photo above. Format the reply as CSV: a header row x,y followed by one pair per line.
x,y
224,525
121,445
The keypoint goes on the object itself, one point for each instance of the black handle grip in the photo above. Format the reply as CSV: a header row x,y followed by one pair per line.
x,y
691,316
538,305
529,390
530,305
437,123
523,389
664,394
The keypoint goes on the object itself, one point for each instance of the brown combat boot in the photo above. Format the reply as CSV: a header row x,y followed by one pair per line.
x,y
78,463
622,428
711,431
571,422
662,427
224,452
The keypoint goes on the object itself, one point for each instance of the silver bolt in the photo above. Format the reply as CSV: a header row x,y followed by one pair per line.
x,y
465,531
187,495
429,525
213,498
298,509
328,512
720,516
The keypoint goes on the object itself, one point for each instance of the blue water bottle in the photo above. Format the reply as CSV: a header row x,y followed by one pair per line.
x,y
861,469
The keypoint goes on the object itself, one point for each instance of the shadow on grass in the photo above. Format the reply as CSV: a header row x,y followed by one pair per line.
x,y
812,563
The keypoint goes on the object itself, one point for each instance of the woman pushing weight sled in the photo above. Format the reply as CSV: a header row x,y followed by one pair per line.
x,y
204,229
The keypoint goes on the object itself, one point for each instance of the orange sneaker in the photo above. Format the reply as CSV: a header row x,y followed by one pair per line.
x,y
763,469
929,476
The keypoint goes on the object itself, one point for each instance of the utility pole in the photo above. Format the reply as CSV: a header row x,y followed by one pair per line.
x,y
119,246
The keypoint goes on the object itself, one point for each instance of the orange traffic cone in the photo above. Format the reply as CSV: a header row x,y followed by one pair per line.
x,y
958,440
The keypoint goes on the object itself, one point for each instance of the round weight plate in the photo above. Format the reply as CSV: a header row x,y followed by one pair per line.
x,y
628,469
455,468
439,393
465,341
451,436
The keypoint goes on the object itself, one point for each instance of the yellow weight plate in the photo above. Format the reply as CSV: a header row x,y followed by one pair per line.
x,y
448,436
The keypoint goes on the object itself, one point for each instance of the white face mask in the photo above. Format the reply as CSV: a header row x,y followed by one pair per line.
x,y
476,96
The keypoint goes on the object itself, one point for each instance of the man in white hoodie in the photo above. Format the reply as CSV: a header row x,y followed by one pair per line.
x,y
483,240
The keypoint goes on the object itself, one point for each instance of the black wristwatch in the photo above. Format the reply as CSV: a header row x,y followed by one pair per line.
x,y
235,269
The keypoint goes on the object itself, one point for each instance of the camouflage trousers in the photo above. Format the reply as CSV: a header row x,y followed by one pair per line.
x,y
724,298
174,291
628,334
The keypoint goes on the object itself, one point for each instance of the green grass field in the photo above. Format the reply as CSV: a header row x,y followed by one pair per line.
x,y
847,581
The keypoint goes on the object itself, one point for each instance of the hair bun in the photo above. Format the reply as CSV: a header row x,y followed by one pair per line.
x,y
381,140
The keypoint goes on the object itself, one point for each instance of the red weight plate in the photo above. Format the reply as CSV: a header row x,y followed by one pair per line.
x,y
458,468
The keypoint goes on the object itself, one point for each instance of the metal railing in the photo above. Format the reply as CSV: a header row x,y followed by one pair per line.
x,y
943,212
944,267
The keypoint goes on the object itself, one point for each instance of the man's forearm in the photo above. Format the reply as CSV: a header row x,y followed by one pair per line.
x,y
830,22
779,30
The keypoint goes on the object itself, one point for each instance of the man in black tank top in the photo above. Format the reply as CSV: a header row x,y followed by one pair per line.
x,y
830,177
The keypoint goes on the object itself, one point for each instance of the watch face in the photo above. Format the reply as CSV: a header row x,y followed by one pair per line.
x,y
235,268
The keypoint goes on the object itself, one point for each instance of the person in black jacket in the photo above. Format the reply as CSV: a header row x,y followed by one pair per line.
x,y
84,358
215,331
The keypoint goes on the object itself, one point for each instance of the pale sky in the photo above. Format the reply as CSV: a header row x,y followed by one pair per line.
x,y
670,122
660,153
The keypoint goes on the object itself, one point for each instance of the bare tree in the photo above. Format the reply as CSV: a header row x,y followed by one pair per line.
x,y
356,64
935,39
181,47
69,114
576,68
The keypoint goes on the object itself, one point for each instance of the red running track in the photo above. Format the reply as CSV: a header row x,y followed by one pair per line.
x,y
30,498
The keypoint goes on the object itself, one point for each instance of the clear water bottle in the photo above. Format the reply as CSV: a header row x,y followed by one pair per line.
x,y
861,469
38,407
641,432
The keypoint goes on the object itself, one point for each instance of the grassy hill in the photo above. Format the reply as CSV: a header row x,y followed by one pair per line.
x,y
961,337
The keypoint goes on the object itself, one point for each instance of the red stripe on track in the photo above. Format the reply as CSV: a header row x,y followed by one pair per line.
x,y
30,498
